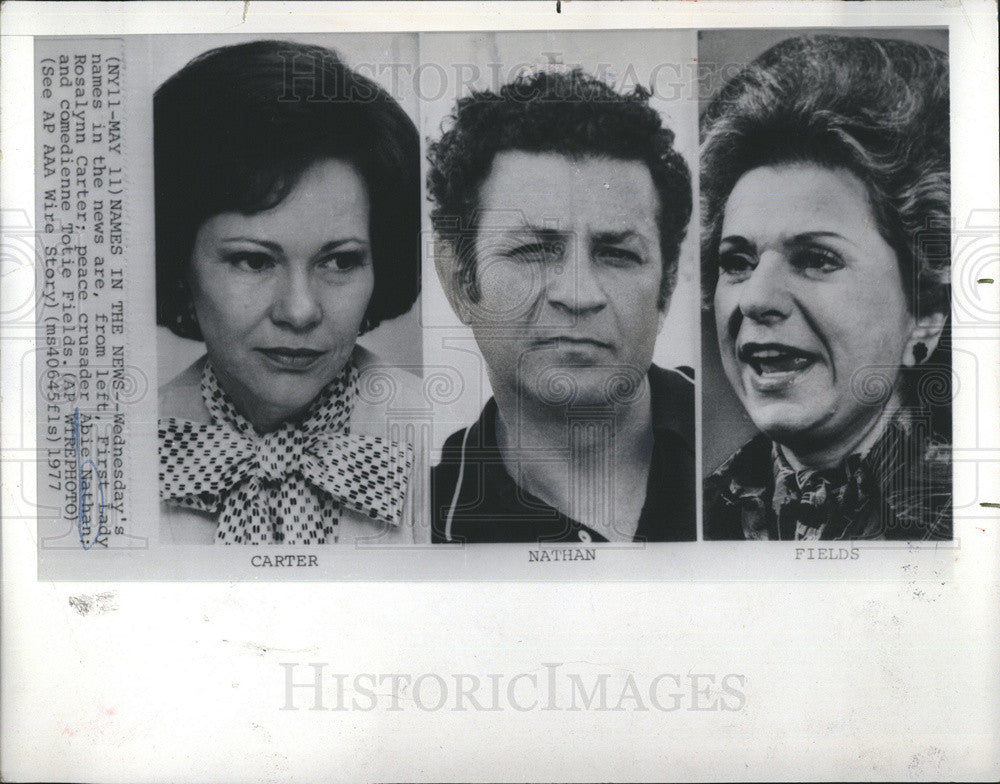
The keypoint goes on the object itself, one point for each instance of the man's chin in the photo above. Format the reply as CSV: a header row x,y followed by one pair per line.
x,y
587,386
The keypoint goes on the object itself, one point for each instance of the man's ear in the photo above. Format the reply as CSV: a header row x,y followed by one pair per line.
x,y
663,312
927,331
450,275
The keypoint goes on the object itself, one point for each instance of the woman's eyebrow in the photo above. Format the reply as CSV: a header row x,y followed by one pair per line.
x,y
333,245
805,236
273,246
277,248
794,240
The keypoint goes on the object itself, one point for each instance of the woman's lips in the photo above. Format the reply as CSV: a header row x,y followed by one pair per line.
x,y
772,367
295,359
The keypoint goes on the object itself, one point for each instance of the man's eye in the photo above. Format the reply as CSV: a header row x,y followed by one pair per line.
x,y
345,260
815,259
619,256
249,261
735,264
538,251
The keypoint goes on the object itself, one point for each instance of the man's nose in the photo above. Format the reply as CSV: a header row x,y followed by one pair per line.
x,y
574,284
764,297
295,304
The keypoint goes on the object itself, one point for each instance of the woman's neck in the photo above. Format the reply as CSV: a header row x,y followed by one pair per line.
x,y
833,454
264,417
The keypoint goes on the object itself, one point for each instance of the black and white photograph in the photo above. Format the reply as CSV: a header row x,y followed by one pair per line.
x,y
537,391
287,227
561,198
825,180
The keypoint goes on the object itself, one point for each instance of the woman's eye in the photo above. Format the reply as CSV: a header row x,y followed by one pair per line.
x,y
250,262
345,260
735,264
817,260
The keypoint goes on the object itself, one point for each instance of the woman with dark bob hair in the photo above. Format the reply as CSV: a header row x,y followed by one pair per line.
x,y
826,208
287,224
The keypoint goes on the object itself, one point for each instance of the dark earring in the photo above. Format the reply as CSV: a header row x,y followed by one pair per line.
x,y
919,352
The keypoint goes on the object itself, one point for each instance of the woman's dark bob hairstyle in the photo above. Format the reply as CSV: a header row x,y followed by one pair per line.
x,y
876,107
236,128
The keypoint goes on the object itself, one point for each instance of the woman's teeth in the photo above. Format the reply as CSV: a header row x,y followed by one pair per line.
x,y
778,362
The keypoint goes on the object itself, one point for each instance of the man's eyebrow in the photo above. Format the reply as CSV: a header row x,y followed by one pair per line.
x,y
737,241
542,232
614,237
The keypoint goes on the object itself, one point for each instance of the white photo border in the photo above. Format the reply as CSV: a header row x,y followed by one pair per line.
x,y
883,670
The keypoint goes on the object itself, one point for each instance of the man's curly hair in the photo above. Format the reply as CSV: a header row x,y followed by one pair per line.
x,y
565,112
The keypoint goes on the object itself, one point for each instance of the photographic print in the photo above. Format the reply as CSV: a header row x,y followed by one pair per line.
x,y
533,391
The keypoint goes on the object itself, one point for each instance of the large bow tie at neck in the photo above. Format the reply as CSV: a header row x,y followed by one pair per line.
x,y
287,486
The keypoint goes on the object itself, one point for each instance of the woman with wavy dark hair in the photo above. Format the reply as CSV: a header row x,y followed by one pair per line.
x,y
287,224
826,254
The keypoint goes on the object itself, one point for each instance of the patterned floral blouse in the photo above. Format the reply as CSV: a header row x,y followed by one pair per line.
x,y
901,489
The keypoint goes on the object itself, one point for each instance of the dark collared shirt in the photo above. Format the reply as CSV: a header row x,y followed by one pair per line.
x,y
475,500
